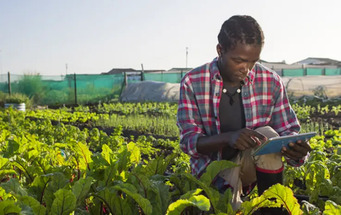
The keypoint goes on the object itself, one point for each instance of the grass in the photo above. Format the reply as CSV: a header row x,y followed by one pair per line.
x,y
162,125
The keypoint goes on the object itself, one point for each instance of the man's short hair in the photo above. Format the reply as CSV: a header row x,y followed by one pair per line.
x,y
243,29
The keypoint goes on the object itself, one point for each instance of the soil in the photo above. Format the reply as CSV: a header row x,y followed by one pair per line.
x,y
330,118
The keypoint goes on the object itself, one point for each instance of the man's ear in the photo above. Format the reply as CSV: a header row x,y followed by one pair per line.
x,y
219,49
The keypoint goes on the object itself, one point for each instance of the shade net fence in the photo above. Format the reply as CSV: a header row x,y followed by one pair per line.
x,y
68,89
85,89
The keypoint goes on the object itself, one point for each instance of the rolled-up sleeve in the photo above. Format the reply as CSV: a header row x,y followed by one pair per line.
x,y
285,120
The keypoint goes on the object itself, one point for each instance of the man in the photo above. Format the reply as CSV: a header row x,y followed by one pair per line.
x,y
230,106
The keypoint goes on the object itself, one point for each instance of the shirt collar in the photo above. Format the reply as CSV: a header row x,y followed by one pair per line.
x,y
216,73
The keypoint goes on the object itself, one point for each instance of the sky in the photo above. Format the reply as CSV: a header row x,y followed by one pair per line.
x,y
56,37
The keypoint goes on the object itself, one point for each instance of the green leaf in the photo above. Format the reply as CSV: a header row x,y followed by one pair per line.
x,y
178,206
191,193
29,201
201,201
331,208
3,162
4,173
107,153
214,168
211,193
248,207
325,187
283,195
135,156
4,195
64,203
309,209
9,207
81,189
159,197
38,186
13,186
83,155
130,190
224,203
158,165
316,172
123,159
57,181
111,173
114,201
12,148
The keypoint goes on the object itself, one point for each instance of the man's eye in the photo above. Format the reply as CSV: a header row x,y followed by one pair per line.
x,y
238,61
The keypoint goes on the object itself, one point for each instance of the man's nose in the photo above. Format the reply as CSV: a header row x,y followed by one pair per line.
x,y
246,67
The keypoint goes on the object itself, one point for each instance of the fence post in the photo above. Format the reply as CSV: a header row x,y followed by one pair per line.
x,y
142,73
324,71
9,83
125,79
75,85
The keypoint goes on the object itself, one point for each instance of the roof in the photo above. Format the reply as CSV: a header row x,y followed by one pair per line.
x,y
119,70
180,69
319,61
130,70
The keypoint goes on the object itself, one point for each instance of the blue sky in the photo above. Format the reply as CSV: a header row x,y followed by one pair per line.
x,y
91,37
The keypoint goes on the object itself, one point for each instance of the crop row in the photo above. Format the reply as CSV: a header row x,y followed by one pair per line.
x,y
49,168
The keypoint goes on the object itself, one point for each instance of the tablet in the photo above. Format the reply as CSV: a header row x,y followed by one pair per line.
x,y
275,144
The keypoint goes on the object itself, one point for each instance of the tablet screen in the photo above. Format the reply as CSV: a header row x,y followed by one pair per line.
x,y
275,144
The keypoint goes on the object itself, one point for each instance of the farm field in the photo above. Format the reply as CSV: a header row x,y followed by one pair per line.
x,y
124,158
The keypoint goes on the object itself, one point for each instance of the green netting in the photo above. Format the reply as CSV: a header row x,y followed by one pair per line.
x,y
51,90
314,71
311,71
4,83
293,72
163,77
92,88
336,71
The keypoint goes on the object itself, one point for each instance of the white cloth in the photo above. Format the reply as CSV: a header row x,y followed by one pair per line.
x,y
245,173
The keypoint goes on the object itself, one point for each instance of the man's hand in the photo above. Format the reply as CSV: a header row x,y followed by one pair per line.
x,y
245,138
297,151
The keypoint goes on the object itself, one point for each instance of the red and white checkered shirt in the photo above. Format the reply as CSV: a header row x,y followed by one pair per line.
x,y
264,100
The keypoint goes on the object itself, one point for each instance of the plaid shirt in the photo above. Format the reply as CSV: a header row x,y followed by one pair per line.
x,y
264,100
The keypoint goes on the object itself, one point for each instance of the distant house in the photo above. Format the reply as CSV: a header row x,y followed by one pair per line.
x,y
179,69
320,62
119,71
279,66
306,63
132,74
130,71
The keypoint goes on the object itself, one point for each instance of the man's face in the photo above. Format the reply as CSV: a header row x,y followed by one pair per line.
x,y
235,64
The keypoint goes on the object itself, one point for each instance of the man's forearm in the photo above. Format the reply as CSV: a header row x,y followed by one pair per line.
x,y
208,144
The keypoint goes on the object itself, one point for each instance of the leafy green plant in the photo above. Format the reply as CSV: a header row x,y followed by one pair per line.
x,y
48,167
32,86
17,98
276,196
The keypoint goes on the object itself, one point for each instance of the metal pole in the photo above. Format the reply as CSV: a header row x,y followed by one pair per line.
x,y
9,84
125,79
142,72
75,84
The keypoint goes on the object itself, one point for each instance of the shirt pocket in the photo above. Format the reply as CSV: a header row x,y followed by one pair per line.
x,y
265,110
